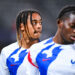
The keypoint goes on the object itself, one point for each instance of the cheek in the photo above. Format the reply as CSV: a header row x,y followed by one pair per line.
x,y
67,33
64,32
31,31
34,27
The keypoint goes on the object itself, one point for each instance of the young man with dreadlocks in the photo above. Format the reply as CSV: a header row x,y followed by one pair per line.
x,y
13,58
56,55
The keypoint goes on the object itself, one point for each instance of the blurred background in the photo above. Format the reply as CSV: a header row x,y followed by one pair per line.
x,y
9,9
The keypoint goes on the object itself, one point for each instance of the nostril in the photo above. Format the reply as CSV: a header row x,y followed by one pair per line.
x,y
74,30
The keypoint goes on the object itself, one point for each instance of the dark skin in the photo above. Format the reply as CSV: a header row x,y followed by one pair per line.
x,y
66,31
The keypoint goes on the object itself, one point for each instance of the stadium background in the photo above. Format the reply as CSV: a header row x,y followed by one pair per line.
x,y
9,9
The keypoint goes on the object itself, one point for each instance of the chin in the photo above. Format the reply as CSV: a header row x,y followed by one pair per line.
x,y
37,36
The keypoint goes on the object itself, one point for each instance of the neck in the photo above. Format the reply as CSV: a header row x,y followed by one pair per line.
x,y
27,43
58,38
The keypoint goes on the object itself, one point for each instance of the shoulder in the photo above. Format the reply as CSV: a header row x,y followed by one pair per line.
x,y
9,49
11,46
40,44
36,48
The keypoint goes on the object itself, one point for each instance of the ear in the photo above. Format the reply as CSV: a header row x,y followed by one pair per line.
x,y
22,27
60,23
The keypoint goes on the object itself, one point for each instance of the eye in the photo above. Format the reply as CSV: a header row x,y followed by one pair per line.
x,y
34,23
40,23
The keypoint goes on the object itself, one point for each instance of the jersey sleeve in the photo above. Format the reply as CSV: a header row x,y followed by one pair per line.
x,y
3,66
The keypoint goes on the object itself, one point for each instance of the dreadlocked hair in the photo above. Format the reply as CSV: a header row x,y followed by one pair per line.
x,y
66,11
22,18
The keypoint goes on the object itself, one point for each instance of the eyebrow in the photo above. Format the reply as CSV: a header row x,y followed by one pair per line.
x,y
36,20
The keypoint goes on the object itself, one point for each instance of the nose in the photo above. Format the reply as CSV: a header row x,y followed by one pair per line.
x,y
74,30
39,26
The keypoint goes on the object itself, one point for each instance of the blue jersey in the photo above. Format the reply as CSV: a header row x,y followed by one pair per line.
x,y
52,58
13,61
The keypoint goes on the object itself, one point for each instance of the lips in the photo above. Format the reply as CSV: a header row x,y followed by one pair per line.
x,y
37,31
73,38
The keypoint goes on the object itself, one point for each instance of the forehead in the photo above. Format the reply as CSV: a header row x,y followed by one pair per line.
x,y
36,16
72,17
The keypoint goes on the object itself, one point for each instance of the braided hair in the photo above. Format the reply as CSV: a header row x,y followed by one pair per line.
x,y
22,18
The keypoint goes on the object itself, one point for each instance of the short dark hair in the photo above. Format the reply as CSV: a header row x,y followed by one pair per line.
x,y
22,18
66,11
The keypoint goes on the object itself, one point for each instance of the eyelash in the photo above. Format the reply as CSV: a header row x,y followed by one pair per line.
x,y
36,23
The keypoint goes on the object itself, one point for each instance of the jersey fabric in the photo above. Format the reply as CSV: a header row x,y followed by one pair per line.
x,y
13,61
52,58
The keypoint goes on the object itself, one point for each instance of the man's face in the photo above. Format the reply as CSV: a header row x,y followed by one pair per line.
x,y
34,28
68,29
